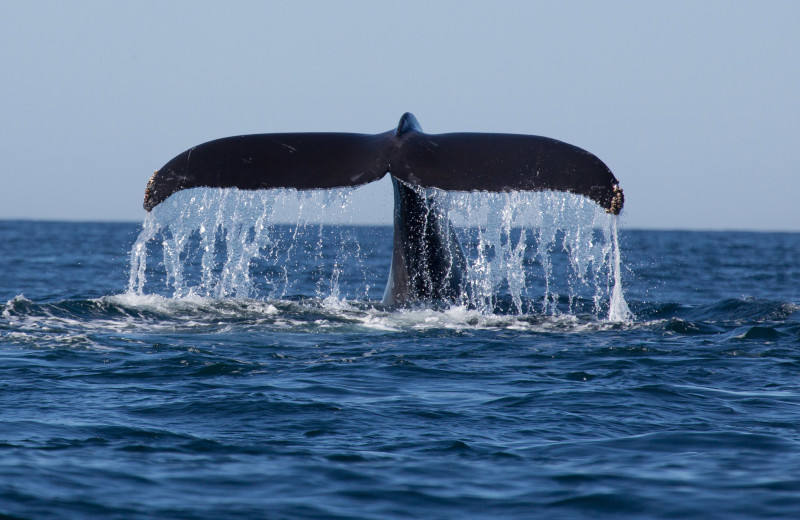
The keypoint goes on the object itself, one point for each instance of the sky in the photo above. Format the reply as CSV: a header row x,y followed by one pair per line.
x,y
694,105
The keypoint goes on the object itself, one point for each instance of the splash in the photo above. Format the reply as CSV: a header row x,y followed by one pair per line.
x,y
528,253
562,247
228,243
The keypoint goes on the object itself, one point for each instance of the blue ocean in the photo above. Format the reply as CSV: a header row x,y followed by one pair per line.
x,y
220,360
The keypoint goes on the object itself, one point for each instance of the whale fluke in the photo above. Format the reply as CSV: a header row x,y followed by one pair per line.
x,y
250,162
453,161
504,162
428,262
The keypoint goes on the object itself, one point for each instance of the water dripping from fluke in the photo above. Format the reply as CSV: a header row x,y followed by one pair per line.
x,y
525,253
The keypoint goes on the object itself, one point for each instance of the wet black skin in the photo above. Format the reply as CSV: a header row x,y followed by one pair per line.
x,y
428,263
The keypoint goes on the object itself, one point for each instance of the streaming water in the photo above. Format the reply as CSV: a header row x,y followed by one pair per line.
x,y
528,253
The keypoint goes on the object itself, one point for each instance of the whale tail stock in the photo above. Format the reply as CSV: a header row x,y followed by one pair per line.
x,y
427,261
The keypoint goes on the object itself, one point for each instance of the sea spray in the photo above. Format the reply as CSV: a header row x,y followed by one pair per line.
x,y
528,253
545,252
618,310
229,243
138,269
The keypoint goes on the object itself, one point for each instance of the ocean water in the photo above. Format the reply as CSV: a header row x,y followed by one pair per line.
x,y
147,374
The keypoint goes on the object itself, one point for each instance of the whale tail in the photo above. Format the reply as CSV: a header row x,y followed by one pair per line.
x,y
454,161
428,263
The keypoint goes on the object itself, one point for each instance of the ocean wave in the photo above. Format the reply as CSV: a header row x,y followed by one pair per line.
x,y
131,317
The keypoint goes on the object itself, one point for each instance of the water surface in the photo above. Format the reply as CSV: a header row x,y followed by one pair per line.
x,y
298,401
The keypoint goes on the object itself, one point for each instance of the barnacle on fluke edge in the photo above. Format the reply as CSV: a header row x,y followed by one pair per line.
x,y
149,191
616,201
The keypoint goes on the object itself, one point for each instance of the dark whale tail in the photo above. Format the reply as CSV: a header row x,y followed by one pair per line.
x,y
427,262
458,161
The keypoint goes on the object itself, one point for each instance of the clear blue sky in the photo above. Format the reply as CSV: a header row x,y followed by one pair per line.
x,y
695,105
